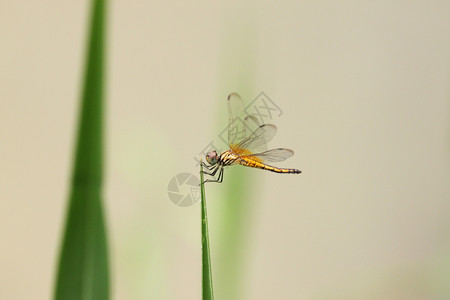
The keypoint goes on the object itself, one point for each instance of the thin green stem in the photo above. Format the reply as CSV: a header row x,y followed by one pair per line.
x,y
207,286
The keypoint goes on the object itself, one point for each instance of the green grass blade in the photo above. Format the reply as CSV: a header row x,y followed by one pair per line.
x,y
207,286
83,263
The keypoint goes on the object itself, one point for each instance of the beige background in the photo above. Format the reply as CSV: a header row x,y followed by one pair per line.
x,y
364,87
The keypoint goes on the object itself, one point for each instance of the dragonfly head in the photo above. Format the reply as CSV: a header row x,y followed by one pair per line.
x,y
212,158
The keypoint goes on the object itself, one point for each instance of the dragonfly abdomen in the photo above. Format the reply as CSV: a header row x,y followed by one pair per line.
x,y
255,164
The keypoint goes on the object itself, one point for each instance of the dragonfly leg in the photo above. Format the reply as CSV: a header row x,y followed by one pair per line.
x,y
213,172
209,167
219,178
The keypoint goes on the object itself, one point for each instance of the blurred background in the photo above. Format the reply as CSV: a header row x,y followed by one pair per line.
x,y
364,89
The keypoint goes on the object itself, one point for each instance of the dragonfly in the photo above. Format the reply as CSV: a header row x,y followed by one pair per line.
x,y
247,141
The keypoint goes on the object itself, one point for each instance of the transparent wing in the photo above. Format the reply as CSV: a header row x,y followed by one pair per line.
x,y
257,141
240,125
273,155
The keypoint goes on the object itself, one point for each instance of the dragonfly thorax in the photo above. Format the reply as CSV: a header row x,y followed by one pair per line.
x,y
212,157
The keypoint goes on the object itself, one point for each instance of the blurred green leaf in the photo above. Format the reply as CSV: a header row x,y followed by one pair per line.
x,y
234,232
83,264
207,286
238,74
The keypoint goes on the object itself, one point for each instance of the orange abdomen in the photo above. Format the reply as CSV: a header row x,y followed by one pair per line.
x,y
255,164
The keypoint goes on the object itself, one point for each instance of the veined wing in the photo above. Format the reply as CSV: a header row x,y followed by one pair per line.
x,y
255,142
273,155
240,125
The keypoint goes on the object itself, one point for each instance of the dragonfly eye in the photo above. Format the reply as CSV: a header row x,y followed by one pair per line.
x,y
212,157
